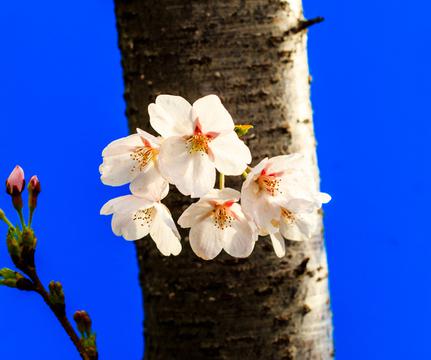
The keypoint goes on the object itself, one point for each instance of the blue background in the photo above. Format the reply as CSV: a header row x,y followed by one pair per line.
x,y
61,103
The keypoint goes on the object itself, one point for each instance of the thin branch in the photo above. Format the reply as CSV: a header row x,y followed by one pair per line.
x,y
67,326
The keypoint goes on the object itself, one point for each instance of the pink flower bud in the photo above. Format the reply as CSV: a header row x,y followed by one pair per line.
x,y
15,182
33,193
34,185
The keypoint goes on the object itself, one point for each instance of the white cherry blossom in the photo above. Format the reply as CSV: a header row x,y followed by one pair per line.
x,y
281,197
198,140
131,159
137,215
217,222
294,226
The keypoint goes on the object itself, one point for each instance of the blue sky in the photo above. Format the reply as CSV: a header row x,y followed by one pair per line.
x,y
61,103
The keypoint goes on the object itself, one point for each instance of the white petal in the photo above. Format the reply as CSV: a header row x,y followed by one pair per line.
x,y
240,237
206,239
137,224
212,115
192,173
254,173
127,203
300,206
301,229
286,162
150,184
154,141
324,198
222,195
231,155
308,223
195,213
122,145
278,244
173,158
171,116
125,220
118,170
290,231
164,232
261,208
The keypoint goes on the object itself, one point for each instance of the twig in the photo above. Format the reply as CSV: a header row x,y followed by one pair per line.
x,y
62,318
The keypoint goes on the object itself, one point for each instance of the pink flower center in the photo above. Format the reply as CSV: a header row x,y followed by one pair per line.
x,y
199,141
269,182
223,215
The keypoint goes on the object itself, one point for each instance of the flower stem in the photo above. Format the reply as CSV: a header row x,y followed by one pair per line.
x,y
5,219
21,218
30,217
65,323
221,181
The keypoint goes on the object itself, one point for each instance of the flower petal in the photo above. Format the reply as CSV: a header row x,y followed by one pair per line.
x,y
128,217
118,170
290,231
212,115
206,239
231,155
122,145
303,227
239,238
136,225
283,163
261,208
192,173
164,232
150,184
323,198
222,195
127,203
171,116
154,141
278,244
195,213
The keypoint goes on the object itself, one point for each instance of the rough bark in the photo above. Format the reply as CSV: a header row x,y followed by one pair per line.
x,y
252,53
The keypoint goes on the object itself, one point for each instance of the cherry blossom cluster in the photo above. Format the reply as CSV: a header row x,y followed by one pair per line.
x,y
278,197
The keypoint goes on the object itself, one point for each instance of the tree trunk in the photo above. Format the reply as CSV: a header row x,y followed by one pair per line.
x,y
252,53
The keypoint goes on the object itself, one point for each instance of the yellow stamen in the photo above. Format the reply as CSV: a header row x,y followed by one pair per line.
x,y
222,216
269,183
142,155
145,216
288,216
198,142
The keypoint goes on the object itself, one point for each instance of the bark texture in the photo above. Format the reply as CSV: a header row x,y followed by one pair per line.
x,y
252,53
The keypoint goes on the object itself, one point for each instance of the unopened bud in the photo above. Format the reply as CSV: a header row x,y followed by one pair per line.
x,y
13,247
14,279
90,346
242,130
28,247
15,186
15,182
33,192
56,295
83,322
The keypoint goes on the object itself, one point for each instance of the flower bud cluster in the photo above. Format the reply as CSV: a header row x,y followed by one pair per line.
x,y
14,279
88,337
56,295
278,197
